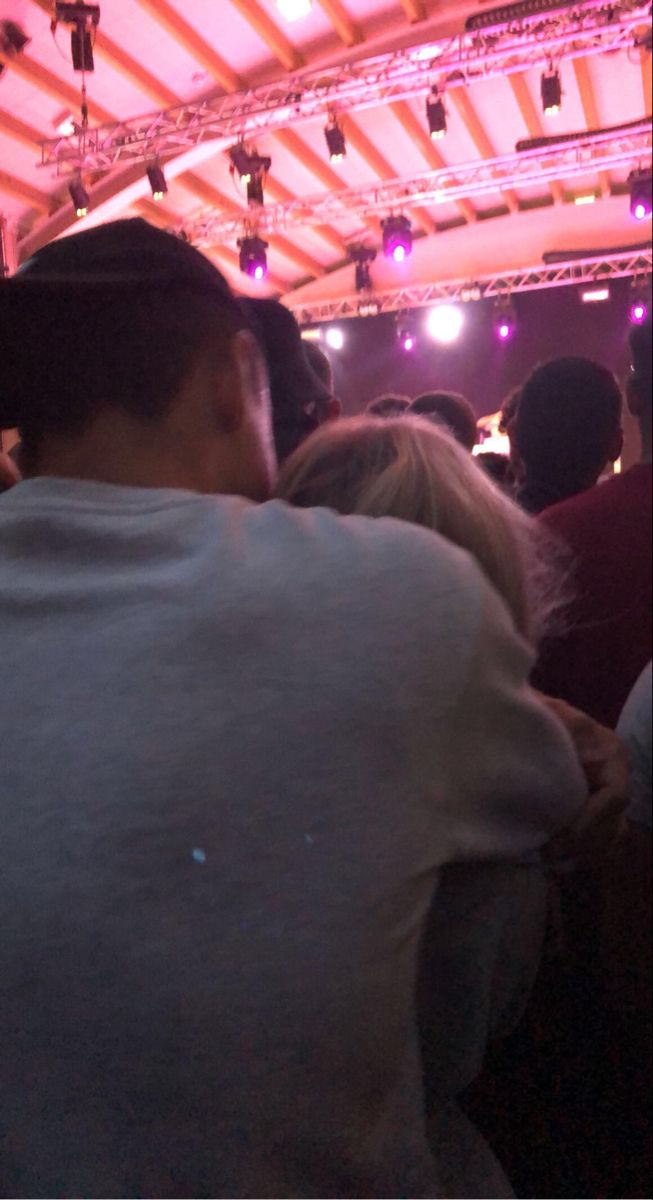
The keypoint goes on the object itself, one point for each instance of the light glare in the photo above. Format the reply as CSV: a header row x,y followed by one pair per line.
x,y
335,338
294,10
445,323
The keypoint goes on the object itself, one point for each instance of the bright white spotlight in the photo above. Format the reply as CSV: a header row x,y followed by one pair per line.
x,y
335,338
444,323
294,10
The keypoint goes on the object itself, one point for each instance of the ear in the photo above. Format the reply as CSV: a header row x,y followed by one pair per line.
x,y
251,370
616,448
333,409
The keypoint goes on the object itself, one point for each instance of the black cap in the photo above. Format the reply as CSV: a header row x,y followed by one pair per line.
x,y
294,386
125,254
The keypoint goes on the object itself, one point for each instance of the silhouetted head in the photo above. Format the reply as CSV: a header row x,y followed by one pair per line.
x,y
451,410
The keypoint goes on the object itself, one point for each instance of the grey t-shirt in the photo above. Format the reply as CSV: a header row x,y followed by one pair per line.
x,y
238,743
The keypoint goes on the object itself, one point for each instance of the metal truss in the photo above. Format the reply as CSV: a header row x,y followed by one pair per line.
x,y
584,155
597,268
588,27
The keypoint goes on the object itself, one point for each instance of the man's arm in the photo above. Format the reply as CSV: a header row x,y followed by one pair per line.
x,y
513,777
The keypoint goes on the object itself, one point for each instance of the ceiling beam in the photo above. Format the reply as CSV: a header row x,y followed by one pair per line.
x,y
24,192
531,119
590,110
117,58
191,41
418,135
36,75
414,10
461,99
647,80
381,167
348,31
281,195
275,40
21,132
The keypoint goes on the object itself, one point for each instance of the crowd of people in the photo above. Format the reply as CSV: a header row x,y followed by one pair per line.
x,y
326,759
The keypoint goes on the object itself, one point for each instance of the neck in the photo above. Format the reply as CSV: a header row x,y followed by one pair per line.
x,y
128,454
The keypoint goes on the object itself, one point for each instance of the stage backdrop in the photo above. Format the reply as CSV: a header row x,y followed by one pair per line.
x,y
550,323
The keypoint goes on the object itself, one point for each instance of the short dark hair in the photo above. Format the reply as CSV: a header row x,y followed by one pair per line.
x,y
568,417
452,410
497,466
66,360
389,405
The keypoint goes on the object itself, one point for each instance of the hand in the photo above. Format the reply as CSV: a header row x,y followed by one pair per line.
x,y
602,756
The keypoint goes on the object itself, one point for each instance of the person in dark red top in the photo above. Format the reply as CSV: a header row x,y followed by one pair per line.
x,y
564,429
595,664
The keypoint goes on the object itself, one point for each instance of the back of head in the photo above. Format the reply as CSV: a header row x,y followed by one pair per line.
x,y
390,405
111,319
408,469
451,410
567,426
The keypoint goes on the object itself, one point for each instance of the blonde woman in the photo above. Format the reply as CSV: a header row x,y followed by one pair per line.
x,y
409,469
483,944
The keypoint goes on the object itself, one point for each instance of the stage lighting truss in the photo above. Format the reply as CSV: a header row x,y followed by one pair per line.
x,y
597,269
581,155
531,42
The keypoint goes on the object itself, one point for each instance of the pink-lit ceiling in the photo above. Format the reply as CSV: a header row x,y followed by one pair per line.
x,y
154,53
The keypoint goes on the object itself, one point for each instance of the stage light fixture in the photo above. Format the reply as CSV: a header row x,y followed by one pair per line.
x,y
79,197
157,181
407,339
397,238
334,337
294,10
638,312
362,256
83,20
589,198
444,323
640,303
436,115
253,257
335,140
551,88
241,162
505,320
641,194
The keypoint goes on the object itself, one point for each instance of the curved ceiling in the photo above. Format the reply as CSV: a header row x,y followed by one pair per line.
x,y
155,53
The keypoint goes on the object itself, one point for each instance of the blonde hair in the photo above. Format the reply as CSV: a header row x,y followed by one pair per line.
x,y
408,469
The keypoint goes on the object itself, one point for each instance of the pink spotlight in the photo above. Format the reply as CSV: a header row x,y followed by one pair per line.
x,y
259,272
640,211
638,312
399,253
504,330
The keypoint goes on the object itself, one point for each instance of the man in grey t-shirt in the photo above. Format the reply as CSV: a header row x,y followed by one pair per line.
x,y
238,744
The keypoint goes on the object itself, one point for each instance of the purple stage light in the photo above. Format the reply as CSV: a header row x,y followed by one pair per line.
x,y
253,257
397,238
407,341
638,312
641,195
